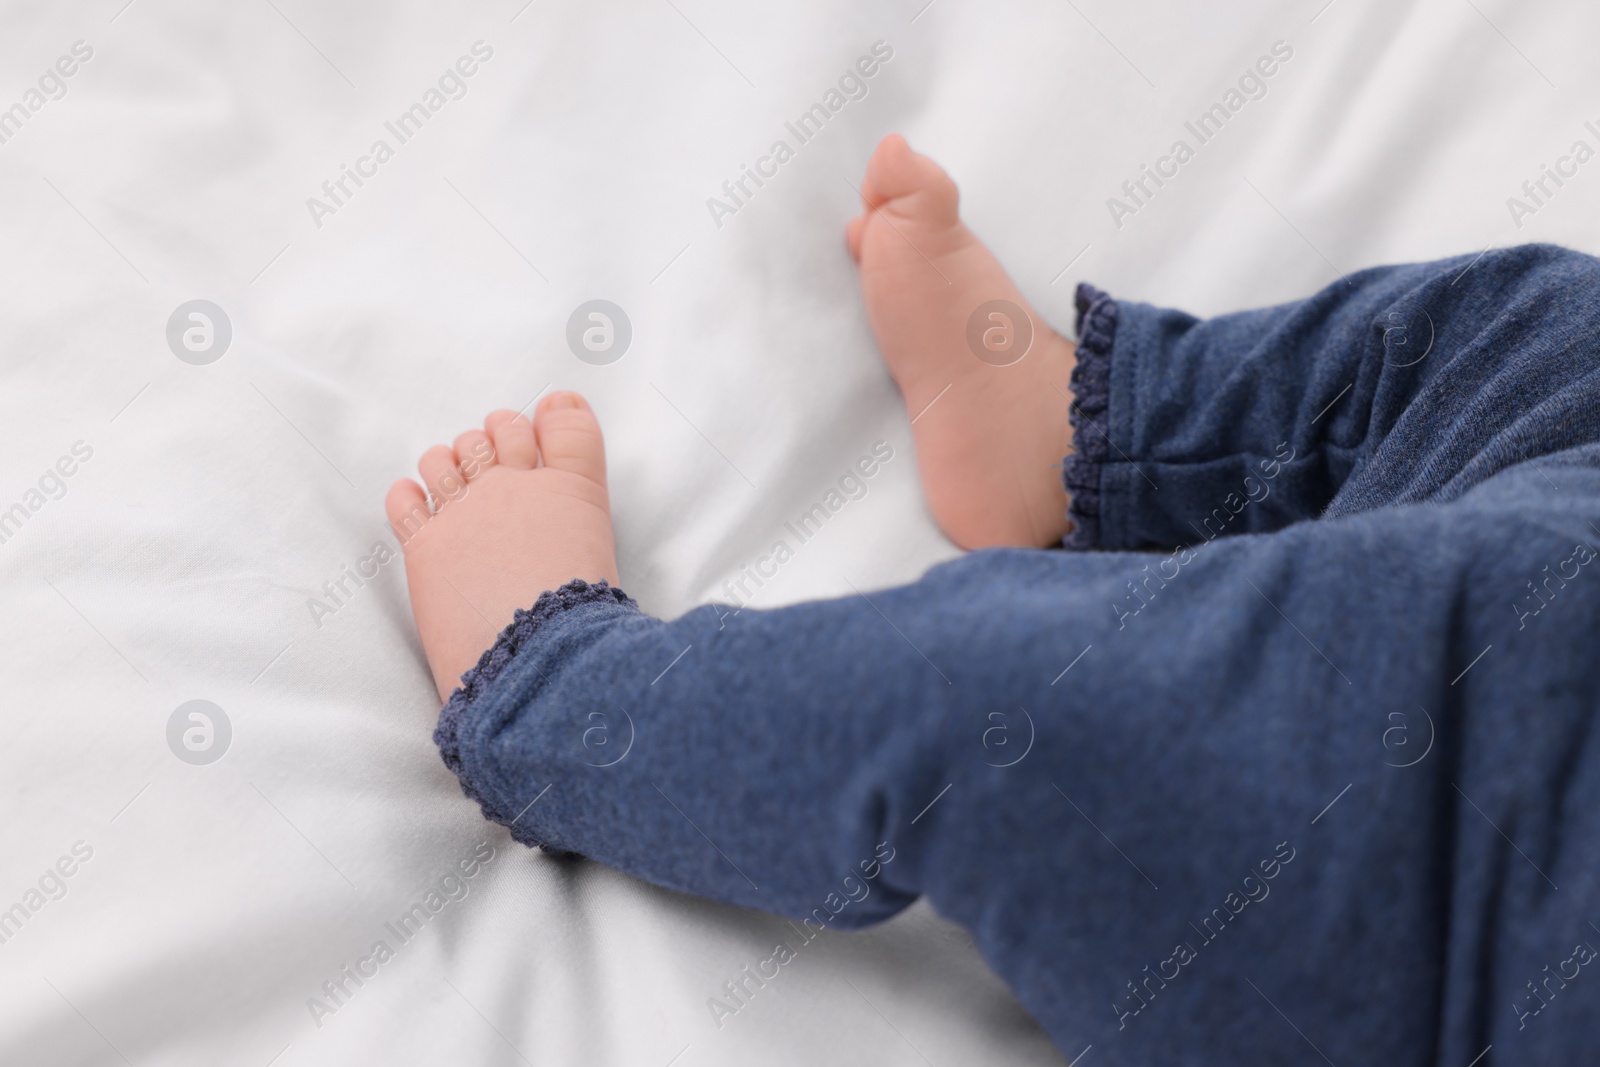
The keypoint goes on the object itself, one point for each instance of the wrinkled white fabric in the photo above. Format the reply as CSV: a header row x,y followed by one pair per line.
x,y
175,532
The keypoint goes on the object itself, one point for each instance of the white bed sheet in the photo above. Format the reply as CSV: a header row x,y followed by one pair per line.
x,y
218,499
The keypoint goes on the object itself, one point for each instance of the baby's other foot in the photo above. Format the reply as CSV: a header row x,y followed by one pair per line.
x,y
517,508
990,437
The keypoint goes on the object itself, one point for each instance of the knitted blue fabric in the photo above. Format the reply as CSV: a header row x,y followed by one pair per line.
x,y
1297,761
1091,391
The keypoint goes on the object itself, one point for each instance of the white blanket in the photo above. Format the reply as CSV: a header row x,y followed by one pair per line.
x,y
177,530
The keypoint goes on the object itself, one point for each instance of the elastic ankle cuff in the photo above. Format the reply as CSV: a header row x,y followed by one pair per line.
x,y
1091,390
521,632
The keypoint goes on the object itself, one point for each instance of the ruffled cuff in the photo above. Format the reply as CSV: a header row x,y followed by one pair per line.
x,y
1091,388
522,631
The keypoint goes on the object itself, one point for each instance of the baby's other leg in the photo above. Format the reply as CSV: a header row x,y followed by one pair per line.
x,y
991,428
518,508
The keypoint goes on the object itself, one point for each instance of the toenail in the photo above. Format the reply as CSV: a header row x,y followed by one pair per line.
x,y
565,400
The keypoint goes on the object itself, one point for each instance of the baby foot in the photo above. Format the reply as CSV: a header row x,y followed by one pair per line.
x,y
990,438
518,508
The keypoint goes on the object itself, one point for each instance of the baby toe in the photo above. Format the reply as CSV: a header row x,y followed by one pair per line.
x,y
474,453
569,436
406,505
513,439
440,474
896,173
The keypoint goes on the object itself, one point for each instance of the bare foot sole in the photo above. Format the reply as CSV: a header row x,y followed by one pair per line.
x,y
517,508
991,429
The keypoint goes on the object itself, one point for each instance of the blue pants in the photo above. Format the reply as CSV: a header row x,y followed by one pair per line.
x,y
1291,751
